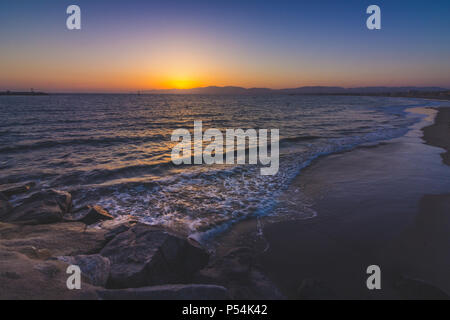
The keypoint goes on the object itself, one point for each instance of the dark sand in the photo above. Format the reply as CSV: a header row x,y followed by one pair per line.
x,y
439,133
387,205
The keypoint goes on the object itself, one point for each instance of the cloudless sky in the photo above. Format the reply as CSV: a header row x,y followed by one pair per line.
x,y
137,45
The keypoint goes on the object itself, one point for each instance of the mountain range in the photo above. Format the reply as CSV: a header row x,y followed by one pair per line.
x,y
231,90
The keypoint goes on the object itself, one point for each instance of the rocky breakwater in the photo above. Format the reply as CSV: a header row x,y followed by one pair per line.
x,y
43,234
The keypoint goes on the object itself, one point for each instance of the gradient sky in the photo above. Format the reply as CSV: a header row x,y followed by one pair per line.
x,y
137,45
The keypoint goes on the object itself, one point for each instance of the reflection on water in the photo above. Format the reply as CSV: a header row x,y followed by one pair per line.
x,y
114,150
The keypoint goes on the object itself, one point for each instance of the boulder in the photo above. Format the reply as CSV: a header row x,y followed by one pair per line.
x,y
24,278
115,227
89,215
95,267
145,255
18,189
236,271
168,292
5,206
41,208
236,265
52,240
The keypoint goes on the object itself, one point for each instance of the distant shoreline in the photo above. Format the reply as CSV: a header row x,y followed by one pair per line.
x,y
421,95
22,93
440,95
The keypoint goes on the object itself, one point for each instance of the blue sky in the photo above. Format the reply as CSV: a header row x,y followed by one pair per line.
x,y
154,44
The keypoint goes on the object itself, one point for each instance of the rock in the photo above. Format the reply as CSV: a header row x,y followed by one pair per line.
x,y
5,206
236,271
52,240
35,253
311,289
28,265
115,227
418,289
168,292
18,189
25,278
41,208
89,215
236,264
144,255
95,267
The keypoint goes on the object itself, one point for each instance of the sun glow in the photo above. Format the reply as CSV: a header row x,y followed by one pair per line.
x,y
180,83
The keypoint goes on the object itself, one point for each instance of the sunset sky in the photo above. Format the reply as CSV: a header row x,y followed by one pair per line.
x,y
138,45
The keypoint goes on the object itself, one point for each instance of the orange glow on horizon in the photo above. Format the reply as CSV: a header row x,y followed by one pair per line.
x,y
180,83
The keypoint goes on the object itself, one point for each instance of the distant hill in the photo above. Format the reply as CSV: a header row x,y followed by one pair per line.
x,y
230,90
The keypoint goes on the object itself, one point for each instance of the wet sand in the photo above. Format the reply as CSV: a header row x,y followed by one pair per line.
x,y
386,205
439,133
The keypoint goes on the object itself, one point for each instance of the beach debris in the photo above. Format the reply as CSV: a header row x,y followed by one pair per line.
x,y
145,255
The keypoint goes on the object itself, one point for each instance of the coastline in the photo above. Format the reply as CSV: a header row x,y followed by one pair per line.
x,y
386,205
364,217
439,133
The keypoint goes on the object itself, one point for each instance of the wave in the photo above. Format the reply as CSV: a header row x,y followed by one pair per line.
x,y
205,200
81,142
299,139
198,200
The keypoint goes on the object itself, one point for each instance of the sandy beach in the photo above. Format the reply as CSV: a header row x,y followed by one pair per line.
x,y
375,222
378,205
438,134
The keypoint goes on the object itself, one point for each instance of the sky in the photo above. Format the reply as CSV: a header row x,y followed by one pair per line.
x,y
141,45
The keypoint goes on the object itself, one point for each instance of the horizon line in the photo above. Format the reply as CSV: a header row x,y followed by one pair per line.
x,y
155,91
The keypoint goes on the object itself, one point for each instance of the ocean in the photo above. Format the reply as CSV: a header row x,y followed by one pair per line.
x,y
115,150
